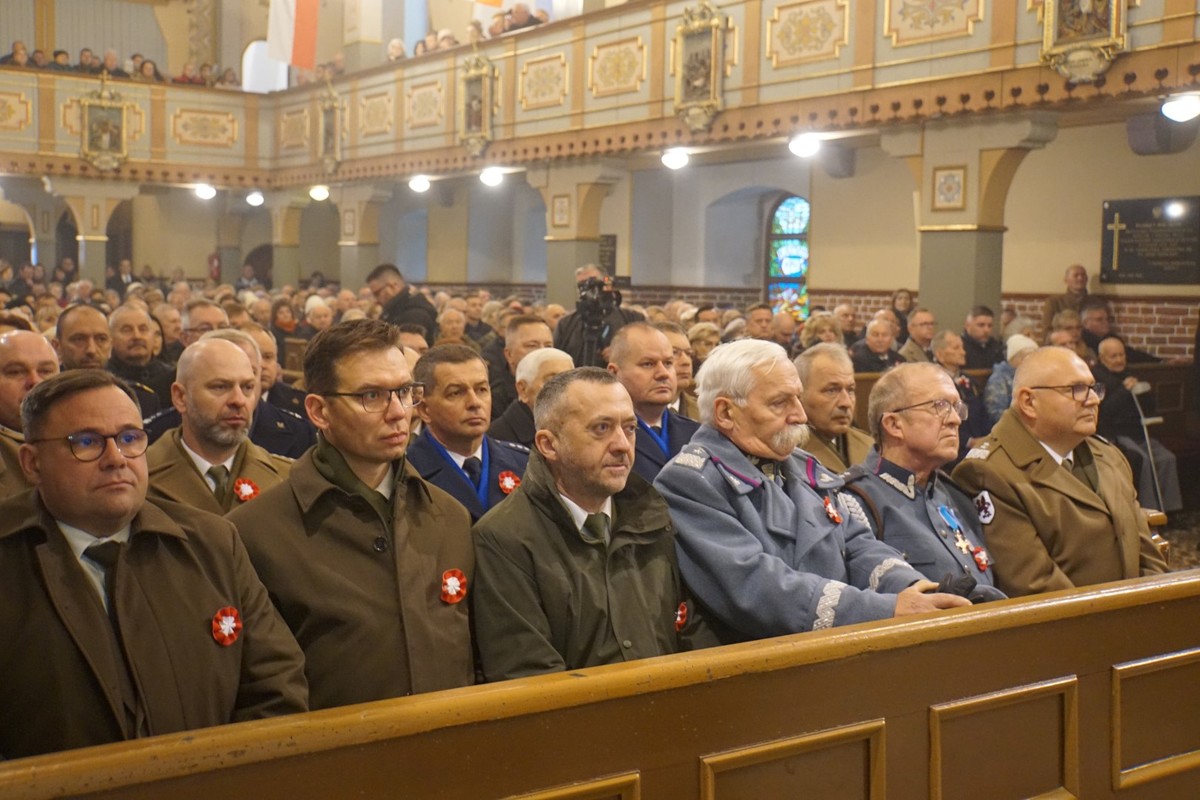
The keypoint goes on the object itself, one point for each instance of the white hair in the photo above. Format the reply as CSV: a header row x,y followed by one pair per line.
x,y
729,371
531,364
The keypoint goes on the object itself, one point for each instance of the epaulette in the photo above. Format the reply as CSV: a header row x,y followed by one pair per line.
x,y
290,413
984,450
693,456
520,448
857,472
162,412
285,460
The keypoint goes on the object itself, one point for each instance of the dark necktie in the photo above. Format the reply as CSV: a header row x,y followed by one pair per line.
x,y
597,526
1076,469
474,468
220,475
107,555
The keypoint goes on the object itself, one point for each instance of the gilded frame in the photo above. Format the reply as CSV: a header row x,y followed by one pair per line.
x,y
948,188
475,104
698,58
1081,45
103,130
329,130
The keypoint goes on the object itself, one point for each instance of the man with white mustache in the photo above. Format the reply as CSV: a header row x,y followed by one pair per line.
x,y
766,542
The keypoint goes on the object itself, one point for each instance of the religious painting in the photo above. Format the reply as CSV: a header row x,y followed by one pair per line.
x,y
1082,37
329,137
103,132
949,188
475,104
697,59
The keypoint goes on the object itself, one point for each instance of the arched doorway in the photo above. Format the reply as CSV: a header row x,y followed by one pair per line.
x,y
262,258
120,234
15,234
66,238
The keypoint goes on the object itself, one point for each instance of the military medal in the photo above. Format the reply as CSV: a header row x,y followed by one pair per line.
x,y
508,481
832,512
245,489
680,617
454,586
961,542
226,626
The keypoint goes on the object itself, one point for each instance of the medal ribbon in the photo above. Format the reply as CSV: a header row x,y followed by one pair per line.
x,y
660,440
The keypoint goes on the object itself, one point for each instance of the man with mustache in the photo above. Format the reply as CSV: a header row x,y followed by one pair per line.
x,y
81,338
767,542
1058,504
209,462
915,414
577,568
827,374
133,359
368,564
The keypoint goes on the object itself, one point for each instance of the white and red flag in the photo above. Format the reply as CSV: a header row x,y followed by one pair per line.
x,y
292,32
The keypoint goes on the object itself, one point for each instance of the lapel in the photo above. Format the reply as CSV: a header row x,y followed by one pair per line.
x,y
442,474
174,476
824,454
1048,473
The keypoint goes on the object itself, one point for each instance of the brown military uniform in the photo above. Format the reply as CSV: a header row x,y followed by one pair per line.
x,y
173,475
914,353
1044,527
12,479
364,584
856,445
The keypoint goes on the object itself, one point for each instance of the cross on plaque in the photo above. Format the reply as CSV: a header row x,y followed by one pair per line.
x,y
1116,226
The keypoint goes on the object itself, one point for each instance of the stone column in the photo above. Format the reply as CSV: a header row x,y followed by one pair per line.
x,y
92,204
285,208
962,171
362,22
229,242
358,242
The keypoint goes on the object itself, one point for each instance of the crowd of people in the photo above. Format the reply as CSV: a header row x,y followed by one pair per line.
x,y
517,18
460,488
136,68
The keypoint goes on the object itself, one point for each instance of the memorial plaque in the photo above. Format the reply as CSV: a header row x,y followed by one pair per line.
x,y
607,258
1154,240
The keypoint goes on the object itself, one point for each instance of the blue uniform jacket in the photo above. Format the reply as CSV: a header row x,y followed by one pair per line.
x,y
650,458
769,560
503,457
923,523
273,429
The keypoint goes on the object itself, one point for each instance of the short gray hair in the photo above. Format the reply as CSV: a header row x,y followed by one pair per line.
x,y
529,366
832,350
941,340
891,392
239,337
729,371
548,409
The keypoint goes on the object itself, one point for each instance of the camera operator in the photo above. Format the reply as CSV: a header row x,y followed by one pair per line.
x,y
587,331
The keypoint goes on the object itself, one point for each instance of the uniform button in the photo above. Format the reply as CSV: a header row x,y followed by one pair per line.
x,y
626,643
380,545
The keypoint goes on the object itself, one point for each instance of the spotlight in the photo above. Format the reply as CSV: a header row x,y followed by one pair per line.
x,y
491,176
419,184
675,158
205,192
254,199
320,193
805,145
1175,209
1182,107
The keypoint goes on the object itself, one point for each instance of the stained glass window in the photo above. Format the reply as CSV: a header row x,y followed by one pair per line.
x,y
787,257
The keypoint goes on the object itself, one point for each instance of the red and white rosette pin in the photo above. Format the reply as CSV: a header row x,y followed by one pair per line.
x,y
226,626
831,511
245,489
681,617
509,481
454,586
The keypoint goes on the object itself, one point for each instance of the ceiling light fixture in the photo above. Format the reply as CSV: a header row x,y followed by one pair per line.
x,y
419,183
1181,107
491,176
675,158
255,199
205,192
806,145
320,193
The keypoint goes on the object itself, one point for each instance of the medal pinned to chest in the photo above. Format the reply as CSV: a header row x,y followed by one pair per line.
x,y
961,542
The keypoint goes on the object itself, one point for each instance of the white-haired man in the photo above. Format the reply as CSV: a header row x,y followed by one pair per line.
x,y
767,543
516,423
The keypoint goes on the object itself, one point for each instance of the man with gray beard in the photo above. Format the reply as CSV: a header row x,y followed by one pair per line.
x,y
208,462
767,541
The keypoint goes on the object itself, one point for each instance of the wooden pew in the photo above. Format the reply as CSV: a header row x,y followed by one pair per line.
x,y
1085,693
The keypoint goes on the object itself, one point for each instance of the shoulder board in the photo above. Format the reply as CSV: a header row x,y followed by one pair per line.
x,y
693,456
520,448
1102,439
162,412
854,473
982,451
281,459
290,413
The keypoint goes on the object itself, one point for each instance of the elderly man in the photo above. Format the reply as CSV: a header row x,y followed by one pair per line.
x,y
829,397
922,325
981,348
516,423
1076,280
201,316
760,322
578,567
26,359
766,540
783,330
317,317
125,617
874,353
643,360
82,338
914,413
209,462
848,320
400,304
367,563
523,334
1096,319
1067,331
1120,422
133,360
950,354
454,451
1057,504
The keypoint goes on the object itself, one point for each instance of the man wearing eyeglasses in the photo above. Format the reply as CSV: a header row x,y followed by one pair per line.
x,y
369,565
123,617
201,316
1058,505
915,413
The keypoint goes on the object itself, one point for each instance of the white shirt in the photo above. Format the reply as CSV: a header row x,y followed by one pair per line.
x,y
1057,458
579,516
203,466
388,483
79,540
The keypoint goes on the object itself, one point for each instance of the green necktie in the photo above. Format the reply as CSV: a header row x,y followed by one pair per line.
x,y
220,475
596,526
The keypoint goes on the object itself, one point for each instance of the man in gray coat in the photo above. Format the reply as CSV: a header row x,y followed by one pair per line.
x,y
765,540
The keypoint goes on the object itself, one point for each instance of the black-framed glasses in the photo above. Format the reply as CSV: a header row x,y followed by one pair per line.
x,y
375,401
1079,391
939,407
90,445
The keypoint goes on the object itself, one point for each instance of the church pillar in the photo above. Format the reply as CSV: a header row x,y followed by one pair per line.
x,y
92,204
285,208
962,172
447,227
358,241
362,22
229,243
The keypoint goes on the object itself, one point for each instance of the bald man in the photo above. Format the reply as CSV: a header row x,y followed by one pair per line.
x,y
26,359
208,462
1057,505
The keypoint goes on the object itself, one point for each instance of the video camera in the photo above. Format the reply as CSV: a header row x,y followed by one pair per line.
x,y
598,299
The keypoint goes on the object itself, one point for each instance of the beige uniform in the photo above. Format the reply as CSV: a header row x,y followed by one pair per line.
x,y
174,477
1044,527
12,479
858,446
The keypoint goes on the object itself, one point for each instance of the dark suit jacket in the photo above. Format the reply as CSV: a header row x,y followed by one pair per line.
x,y
276,430
60,687
650,457
433,467
515,425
